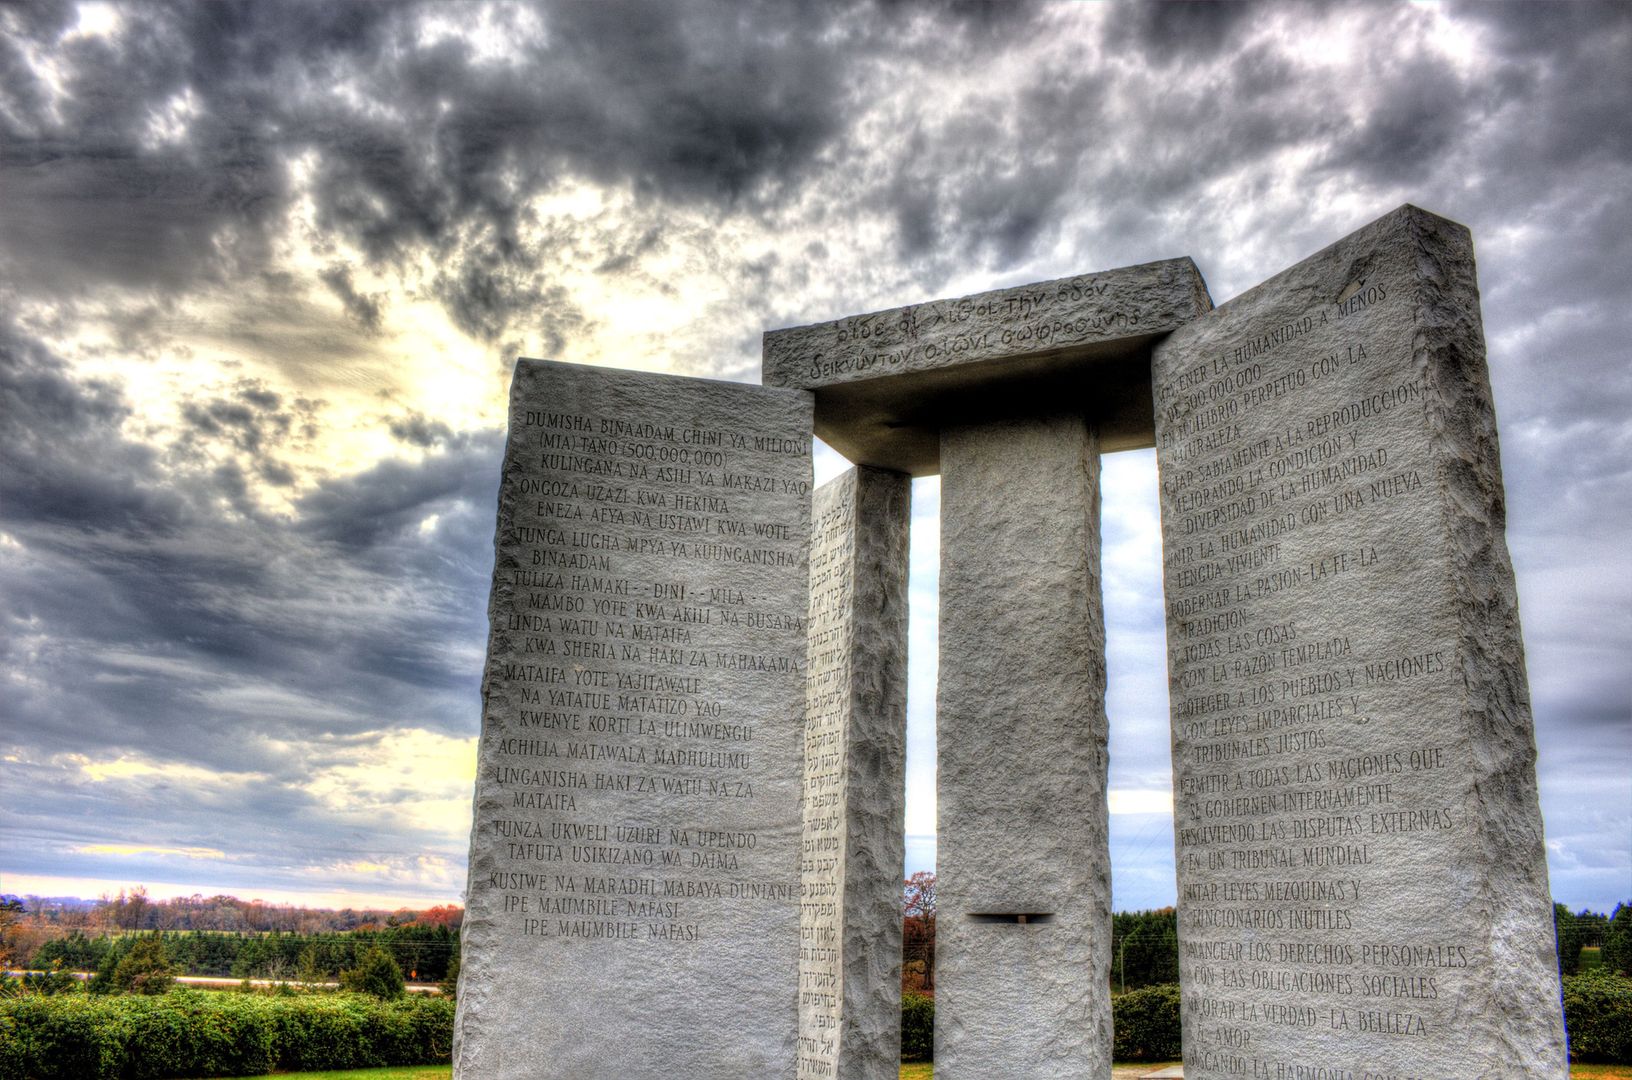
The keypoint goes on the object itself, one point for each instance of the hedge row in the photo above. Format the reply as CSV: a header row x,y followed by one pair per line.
x,y
1146,1024
195,1033
917,1027
1597,1012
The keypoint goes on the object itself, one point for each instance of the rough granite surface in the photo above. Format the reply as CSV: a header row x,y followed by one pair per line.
x,y
1151,298
1362,880
633,902
1021,753
886,383
855,754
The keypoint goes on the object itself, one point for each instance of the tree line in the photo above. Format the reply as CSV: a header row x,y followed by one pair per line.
x,y
1610,934
133,909
422,953
1145,944
224,936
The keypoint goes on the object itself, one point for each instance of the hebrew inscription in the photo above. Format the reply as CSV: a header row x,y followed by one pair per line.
x,y
633,907
1355,809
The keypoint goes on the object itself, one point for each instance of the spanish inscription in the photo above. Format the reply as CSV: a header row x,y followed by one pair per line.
x,y
636,837
1325,820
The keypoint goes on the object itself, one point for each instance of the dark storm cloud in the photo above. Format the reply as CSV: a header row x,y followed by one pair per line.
x,y
1187,30
1416,120
417,429
1565,55
365,309
65,464
363,510
165,588
251,419
168,158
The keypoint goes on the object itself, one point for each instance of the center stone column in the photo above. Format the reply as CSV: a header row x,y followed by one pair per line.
x,y
1023,942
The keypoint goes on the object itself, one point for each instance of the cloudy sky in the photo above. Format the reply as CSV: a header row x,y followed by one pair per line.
x,y
264,269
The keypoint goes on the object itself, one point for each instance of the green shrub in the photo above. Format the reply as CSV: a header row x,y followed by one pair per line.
x,y
450,983
102,979
195,1033
917,1027
39,982
1145,1024
415,1030
1598,1014
66,1036
144,969
375,974
1617,950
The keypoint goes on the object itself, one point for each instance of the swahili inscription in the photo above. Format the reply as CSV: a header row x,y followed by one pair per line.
x,y
637,804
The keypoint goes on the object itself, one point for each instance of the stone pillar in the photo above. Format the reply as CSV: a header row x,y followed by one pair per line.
x,y
1362,878
1023,928
855,753
633,904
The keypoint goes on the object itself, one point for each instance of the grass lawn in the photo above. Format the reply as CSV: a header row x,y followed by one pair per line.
x,y
400,1072
920,1071
1577,1072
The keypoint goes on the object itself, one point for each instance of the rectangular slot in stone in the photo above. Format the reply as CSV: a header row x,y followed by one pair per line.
x,y
633,902
1023,919
1362,881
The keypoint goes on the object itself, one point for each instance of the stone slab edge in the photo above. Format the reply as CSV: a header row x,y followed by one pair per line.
x,y
875,777
1045,317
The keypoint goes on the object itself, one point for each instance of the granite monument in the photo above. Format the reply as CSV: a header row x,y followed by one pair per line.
x,y
686,856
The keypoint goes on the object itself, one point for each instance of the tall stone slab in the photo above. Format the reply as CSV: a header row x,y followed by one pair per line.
x,y
1022,951
633,904
855,754
1362,882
